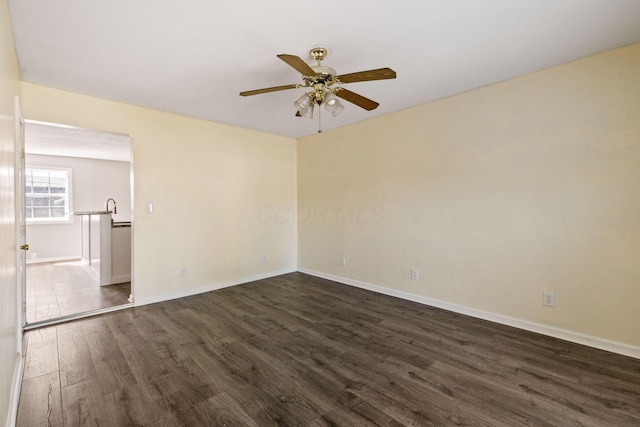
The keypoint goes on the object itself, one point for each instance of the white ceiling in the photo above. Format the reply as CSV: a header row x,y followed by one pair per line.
x,y
55,140
194,57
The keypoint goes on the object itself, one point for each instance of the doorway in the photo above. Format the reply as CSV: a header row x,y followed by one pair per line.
x,y
71,172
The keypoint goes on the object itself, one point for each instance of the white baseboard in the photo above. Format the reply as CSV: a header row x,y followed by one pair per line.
x,y
552,331
53,259
212,287
14,398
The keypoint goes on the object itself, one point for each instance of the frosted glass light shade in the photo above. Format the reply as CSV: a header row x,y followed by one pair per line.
x,y
304,106
333,105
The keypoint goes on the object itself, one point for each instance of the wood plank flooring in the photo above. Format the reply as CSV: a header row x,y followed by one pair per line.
x,y
57,289
295,350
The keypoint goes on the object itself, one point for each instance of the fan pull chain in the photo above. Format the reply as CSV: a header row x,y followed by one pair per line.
x,y
319,120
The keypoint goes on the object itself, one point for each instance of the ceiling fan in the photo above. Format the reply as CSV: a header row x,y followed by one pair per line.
x,y
325,85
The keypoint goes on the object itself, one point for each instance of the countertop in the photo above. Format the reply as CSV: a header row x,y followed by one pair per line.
x,y
92,213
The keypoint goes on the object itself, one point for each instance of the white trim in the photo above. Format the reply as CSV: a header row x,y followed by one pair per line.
x,y
132,293
20,225
208,288
16,387
552,331
59,125
53,259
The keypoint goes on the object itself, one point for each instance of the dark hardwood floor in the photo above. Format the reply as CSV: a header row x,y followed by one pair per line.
x,y
301,351
57,289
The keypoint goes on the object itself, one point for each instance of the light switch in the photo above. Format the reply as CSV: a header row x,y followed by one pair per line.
x,y
149,207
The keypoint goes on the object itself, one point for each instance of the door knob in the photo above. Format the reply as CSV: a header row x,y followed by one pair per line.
x,y
24,247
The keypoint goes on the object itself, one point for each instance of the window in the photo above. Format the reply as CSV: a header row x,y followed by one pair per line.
x,y
47,195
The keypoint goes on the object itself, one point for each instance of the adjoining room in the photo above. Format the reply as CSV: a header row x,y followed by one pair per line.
x,y
70,172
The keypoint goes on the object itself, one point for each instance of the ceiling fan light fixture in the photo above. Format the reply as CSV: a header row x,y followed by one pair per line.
x,y
308,113
304,106
333,105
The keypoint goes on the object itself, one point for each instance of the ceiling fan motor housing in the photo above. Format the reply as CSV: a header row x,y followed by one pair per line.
x,y
324,74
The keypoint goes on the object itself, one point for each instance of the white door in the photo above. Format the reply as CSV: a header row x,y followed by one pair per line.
x,y
21,229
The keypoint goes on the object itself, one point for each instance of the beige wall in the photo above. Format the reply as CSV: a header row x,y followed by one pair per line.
x,y
9,88
495,195
208,183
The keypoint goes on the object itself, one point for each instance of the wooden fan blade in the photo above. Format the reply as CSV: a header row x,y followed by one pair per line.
x,y
297,63
364,76
267,89
359,100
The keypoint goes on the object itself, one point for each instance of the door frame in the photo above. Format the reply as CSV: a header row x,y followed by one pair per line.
x,y
24,326
21,262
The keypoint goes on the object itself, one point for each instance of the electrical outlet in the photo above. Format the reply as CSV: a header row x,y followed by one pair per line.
x,y
264,258
183,272
549,299
414,274
148,206
343,261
